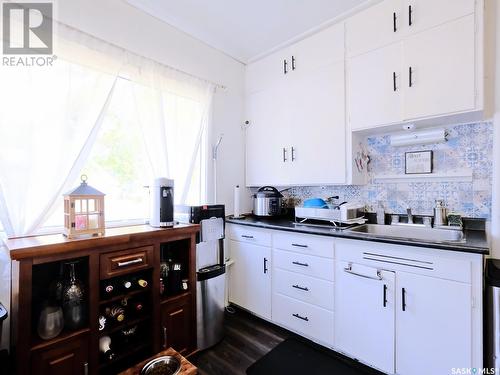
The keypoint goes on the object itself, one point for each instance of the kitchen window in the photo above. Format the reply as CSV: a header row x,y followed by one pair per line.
x,y
119,118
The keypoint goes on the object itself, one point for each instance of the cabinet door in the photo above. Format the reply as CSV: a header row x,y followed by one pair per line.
x,y
267,71
177,325
69,357
364,314
374,27
317,51
419,15
267,155
442,76
374,88
318,135
250,278
433,325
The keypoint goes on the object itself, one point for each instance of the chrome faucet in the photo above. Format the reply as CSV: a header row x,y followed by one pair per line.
x,y
410,215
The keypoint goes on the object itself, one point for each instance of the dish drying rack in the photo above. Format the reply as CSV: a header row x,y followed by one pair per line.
x,y
341,217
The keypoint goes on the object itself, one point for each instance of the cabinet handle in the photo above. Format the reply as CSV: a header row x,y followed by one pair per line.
x,y
129,262
293,154
164,337
265,265
299,245
403,299
301,317
301,264
86,368
410,21
410,76
246,236
285,67
348,269
385,295
394,22
284,155
304,288
394,81
293,62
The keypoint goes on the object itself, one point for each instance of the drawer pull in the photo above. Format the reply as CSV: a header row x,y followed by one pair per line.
x,y
299,245
129,262
246,236
348,269
304,288
300,264
305,318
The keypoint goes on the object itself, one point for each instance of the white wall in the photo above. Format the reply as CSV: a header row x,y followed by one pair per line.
x,y
119,23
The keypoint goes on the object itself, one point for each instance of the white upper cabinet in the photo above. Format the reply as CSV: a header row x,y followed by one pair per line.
x,y
318,50
374,27
267,71
297,132
434,67
439,70
267,153
375,88
317,127
419,15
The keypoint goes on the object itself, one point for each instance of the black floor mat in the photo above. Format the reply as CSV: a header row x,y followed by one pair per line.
x,y
294,356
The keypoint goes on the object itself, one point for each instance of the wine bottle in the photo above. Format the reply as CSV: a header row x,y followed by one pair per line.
x,y
105,348
142,283
124,301
138,306
115,313
108,289
127,284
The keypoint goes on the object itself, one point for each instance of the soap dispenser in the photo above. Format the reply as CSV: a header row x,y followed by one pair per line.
x,y
440,212
380,214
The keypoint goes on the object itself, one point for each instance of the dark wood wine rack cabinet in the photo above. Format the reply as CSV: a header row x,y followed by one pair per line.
x,y
118,273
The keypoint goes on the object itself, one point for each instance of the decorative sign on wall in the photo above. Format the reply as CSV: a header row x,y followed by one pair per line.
x,y
418,162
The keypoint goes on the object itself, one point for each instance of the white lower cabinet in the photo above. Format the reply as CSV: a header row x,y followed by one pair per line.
x,y
304,288
364,314
401,309
250,277
433,325
309,320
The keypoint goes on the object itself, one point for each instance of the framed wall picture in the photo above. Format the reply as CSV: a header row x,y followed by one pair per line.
x,y
417,162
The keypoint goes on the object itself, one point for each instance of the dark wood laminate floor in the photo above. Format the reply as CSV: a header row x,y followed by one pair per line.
x,y
247,339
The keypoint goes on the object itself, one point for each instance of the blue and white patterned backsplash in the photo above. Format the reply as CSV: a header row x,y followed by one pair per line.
x,y
469,146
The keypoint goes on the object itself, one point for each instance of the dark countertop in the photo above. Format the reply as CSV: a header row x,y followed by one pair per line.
x,y
475,240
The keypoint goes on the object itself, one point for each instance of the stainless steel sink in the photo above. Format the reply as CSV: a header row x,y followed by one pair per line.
x,y
413,232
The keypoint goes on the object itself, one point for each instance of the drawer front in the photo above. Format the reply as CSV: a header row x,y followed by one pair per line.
x,y
303,318
125,261
305,244
305,264
244,233
305,288
448,265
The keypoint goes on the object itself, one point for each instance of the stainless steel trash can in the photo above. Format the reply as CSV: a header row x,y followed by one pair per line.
x,y
492,306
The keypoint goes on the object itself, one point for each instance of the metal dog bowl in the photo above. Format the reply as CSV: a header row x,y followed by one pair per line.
x,y
165,365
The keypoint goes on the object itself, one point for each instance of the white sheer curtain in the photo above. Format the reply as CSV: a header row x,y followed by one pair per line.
x,y
51,117
174,117
48,121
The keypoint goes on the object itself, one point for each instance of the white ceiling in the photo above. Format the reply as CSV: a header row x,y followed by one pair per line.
x,y
245,29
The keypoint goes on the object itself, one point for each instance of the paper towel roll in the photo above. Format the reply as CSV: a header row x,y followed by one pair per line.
x,y
236,211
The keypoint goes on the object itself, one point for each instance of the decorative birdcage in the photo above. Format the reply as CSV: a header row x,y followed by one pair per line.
x,y
83,211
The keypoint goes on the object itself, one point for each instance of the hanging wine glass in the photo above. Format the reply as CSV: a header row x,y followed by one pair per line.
x,y
73,300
